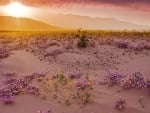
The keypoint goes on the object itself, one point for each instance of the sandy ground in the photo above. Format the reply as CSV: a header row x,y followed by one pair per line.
x,y
95,61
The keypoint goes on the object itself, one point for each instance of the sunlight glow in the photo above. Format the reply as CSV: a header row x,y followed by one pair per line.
x,y
16,9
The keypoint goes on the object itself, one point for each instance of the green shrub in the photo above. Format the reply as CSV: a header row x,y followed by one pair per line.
x,y
82,42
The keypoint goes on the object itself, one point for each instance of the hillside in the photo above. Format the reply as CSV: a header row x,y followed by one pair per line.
x,y
12,23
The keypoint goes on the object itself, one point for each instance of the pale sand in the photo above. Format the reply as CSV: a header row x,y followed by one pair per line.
x,y
95,61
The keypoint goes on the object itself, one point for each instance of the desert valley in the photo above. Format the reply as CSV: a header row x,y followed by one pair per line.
x,y
72,63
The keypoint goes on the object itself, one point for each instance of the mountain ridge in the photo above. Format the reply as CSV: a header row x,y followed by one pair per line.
x,y
93,23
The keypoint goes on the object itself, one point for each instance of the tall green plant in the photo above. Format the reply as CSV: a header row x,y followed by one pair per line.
x,y
82,42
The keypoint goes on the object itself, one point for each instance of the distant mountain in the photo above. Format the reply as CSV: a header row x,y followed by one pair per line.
x,y
85,22
12,23
68,21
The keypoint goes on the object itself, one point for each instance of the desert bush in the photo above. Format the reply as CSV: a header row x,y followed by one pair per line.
x,y
82,42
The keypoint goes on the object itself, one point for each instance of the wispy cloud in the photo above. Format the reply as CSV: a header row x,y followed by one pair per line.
x,y
137,11
143,5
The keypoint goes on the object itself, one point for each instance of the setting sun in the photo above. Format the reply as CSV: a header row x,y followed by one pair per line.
x,y
16,9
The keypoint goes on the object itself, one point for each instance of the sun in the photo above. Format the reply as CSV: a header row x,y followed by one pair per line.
x,y
16,9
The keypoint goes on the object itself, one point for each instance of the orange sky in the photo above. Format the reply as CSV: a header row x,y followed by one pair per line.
x,y
135,11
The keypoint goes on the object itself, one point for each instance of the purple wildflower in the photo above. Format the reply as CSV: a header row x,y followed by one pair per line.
x,y
120,103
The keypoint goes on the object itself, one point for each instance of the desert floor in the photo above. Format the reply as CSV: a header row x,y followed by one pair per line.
x,y
52,57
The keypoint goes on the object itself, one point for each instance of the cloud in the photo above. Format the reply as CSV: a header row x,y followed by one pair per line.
x,y
134,4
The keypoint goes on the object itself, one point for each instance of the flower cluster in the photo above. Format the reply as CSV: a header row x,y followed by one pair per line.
x,y
68,45
4,52
148,85
74,88
147,45
113,78
81,85
32,90
75,75
48,111
128,44
135,80
14,86
6,95
120,103
136,46
122,44
53,53
9,74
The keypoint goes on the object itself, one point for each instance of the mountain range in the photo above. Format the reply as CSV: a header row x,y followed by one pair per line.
x,y
66,21
86,22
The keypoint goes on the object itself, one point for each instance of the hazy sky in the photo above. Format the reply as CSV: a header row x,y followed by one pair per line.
x,y
135,11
